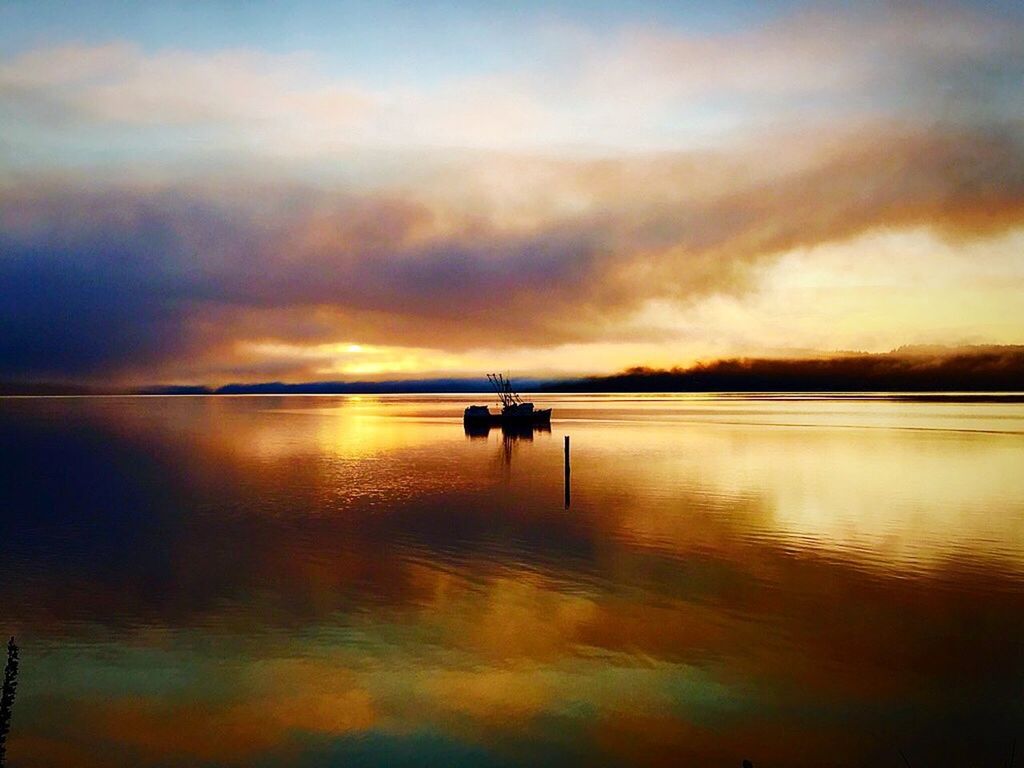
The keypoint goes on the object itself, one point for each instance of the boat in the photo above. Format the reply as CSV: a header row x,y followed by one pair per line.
x,y
515,412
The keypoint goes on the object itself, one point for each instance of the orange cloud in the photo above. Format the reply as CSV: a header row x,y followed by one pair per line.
x,y
161,274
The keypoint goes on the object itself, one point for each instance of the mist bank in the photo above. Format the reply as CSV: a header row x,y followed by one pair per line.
x,y
908,369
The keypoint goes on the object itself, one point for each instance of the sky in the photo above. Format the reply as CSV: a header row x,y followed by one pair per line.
x,y
249,191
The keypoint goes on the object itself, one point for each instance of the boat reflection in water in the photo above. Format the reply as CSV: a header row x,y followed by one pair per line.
x,y
509,430
511,433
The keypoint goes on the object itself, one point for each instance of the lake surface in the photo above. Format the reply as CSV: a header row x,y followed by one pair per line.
x,y
327,581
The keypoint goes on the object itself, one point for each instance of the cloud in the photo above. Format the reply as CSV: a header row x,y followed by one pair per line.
x,y
817,50
250,201
282,105
118,83
107,276
629,88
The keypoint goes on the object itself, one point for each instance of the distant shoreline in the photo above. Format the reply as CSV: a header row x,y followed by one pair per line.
x,y
918,371
481,396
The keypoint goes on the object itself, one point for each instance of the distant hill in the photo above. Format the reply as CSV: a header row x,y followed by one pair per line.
x,y
398,386
908,369
405,386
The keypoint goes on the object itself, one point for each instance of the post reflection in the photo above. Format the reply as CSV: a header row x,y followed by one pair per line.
x,y
273,581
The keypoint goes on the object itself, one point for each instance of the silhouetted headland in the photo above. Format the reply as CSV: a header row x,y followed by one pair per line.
x,y
972,369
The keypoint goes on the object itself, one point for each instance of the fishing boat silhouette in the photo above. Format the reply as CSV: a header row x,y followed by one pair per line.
x,y
515,414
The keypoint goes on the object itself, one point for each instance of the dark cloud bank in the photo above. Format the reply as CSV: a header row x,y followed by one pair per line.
x,y
129,282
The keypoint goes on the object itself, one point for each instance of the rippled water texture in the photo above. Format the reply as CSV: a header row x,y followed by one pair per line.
x,y
317,581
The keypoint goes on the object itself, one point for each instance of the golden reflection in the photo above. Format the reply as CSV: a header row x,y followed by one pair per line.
x,y
320,569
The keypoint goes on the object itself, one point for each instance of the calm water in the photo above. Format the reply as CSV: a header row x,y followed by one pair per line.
x,y
320,581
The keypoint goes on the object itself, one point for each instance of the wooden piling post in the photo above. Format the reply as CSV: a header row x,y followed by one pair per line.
x,y
567,493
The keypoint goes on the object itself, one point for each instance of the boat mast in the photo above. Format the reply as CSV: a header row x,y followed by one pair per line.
x,y
503,386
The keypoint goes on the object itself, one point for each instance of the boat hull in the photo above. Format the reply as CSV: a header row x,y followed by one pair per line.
x,y
482,416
